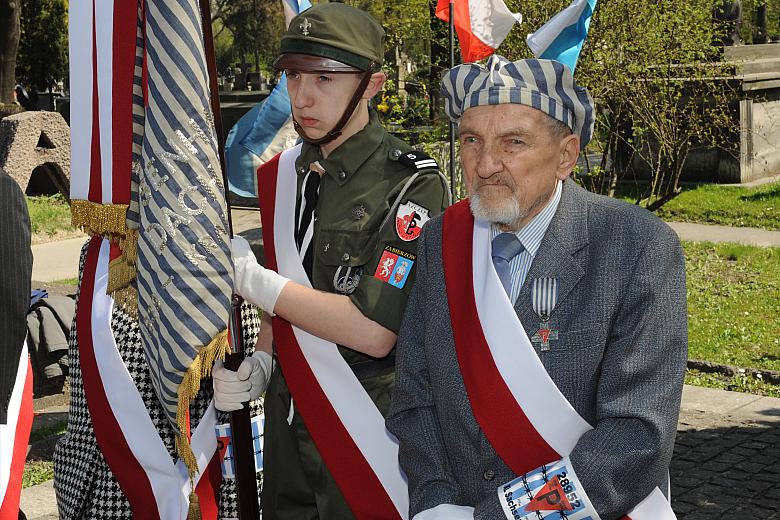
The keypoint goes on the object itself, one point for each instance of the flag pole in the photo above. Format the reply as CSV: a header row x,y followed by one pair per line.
x,y
453,179
240,420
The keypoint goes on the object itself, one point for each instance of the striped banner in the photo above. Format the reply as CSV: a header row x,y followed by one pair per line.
x,y
102,68
184,268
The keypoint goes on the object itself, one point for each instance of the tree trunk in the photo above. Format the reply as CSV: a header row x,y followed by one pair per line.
x,y
9,44
762,23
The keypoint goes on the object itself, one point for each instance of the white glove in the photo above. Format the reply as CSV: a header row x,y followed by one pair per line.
x,y
446,512
233,389
258,285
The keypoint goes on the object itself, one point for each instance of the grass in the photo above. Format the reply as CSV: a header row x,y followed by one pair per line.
x,y
741,383
36,472
724,205
733,308
67,281
49,214
727,206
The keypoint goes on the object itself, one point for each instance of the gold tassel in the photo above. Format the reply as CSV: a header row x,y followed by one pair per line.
x,y
120,274
189,388
99,219
194,512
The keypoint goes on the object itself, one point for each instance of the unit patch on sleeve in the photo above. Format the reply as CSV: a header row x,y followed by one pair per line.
x,y
409,220
394,266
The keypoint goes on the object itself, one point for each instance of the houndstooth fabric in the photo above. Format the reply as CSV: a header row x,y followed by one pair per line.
x,y
85,486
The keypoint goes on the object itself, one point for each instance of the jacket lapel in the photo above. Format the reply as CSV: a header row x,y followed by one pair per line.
x,y
555,258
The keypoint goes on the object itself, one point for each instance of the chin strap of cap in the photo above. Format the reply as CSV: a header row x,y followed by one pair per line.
x,y
339,126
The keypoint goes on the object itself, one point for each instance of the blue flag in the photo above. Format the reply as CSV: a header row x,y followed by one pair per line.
x,y
262,132
561,38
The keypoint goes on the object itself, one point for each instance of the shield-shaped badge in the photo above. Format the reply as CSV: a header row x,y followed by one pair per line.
x,y
409,220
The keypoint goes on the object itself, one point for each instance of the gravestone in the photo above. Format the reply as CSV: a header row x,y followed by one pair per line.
x,y
33,140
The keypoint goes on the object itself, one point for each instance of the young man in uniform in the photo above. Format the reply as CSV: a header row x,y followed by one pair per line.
x,y
542,355
341,217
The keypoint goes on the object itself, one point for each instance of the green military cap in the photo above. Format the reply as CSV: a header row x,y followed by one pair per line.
x,y
332,37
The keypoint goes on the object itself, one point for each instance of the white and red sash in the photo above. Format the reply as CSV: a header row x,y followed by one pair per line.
x,y
14,436
347,428
494,350
155,487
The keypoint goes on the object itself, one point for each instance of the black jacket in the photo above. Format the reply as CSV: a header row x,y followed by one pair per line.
x,y
15,273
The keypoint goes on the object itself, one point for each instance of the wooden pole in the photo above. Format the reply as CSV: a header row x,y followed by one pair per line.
x,y
240,420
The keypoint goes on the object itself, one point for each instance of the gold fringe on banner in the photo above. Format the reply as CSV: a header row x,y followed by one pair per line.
x,y
189,388
99,219
110,221
129,245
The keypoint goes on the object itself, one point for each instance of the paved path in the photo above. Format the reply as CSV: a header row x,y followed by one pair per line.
x,y
59,260
712,233
725,465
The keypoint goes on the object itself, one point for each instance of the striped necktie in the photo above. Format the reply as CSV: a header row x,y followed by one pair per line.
x,y
505,246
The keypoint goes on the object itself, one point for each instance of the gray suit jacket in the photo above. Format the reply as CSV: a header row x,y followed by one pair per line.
x,y
619,360
15,271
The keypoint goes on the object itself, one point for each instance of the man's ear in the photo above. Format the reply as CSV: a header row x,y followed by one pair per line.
x,y
569,153
375,84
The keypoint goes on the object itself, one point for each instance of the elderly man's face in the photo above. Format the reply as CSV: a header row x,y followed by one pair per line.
x,y
511,161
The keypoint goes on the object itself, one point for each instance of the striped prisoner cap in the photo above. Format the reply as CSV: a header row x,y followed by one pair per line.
x,y
546,85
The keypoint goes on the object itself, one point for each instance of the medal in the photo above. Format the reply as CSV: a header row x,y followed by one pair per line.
x,y
544,297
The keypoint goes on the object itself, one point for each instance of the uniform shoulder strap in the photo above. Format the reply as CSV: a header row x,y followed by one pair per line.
x,y
416,160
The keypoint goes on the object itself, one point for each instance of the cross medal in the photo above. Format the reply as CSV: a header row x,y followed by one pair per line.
x,y
544,296
544,335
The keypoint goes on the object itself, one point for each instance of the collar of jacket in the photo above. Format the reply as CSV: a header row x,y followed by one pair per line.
x,y
347,159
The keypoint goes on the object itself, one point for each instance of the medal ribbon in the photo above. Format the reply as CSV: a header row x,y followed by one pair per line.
x,y
544,296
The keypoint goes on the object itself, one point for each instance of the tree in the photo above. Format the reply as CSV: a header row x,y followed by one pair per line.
x,y
656,75
43,47
256,27
9,43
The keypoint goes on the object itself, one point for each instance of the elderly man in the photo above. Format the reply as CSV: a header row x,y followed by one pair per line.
x,y
541,358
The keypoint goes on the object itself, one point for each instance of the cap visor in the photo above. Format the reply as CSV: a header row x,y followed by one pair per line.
x,y
307,63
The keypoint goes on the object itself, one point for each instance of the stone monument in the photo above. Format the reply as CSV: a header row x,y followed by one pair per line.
x,y
30,140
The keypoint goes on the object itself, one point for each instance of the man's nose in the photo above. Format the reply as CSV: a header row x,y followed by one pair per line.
x,y
303,94
488,162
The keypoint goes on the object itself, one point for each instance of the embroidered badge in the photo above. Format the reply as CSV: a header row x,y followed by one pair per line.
x,y
394,266
409,220
225,446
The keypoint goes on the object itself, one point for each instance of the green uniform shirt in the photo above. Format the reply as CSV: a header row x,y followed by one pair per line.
x,y
362,182
358,192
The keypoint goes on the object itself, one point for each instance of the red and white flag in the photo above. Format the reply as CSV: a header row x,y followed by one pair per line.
x,y
14,436
481,25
